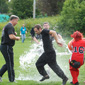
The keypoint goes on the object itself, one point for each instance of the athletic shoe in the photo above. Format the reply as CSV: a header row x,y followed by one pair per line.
x,y
76,83
45,77
0,79
64,81
71,82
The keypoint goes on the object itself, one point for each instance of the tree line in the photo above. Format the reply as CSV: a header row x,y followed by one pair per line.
x,y
71,12
24,8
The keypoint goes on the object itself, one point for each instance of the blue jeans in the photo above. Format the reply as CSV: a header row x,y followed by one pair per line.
x,y
23,37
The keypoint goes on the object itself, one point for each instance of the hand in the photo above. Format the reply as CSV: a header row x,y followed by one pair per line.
x,y
60,44
18,38
15,33
38,42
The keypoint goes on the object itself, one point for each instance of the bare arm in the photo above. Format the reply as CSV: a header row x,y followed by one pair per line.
x,y
13,37
53,33
59,36
34,38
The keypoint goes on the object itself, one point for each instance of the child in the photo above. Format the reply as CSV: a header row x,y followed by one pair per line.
x,y
77,58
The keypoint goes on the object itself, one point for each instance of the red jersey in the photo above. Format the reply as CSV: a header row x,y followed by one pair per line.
x,y
78,51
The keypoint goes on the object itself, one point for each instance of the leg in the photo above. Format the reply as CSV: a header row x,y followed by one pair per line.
x,y
55,67
22,38
4,67
8,55
3,70
40,65
11,73
74,72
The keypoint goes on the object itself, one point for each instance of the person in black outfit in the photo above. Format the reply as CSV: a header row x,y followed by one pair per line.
x,y
32,32
7,43
49,55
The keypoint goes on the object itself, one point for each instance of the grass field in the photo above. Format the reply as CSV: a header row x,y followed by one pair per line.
x,y
19,49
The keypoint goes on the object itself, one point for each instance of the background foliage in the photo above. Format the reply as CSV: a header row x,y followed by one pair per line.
x,y
70,13
22,8
3,6
50,7
72,17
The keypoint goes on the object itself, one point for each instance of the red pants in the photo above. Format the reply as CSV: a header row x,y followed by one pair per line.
x,y
74,73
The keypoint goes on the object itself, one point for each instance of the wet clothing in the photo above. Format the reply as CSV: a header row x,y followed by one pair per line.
x,y
48,57
7,51
47,42
77,55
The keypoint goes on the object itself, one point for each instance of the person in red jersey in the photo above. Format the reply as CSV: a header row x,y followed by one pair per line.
x,y
77,58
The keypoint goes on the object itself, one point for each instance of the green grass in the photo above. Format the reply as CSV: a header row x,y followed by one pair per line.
x,y
20,49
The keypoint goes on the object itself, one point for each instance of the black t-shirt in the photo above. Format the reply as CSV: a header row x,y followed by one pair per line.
x,y
47,42
7,30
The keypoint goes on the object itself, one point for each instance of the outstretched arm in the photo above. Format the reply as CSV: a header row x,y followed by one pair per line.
x,y
34,38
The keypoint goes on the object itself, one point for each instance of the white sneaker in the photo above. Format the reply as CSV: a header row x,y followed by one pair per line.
x,y
0,79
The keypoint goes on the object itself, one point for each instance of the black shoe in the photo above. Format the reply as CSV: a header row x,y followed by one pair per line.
x,y
64,81
44,78
76,83
71,82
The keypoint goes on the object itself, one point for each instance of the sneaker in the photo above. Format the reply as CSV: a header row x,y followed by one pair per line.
x,y
71,82
44,78
0,79
64,81
76,83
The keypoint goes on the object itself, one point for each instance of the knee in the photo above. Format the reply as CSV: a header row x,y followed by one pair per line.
x,y
36,64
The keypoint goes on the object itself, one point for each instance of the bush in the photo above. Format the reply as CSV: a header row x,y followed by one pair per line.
x,y
72,17
30,22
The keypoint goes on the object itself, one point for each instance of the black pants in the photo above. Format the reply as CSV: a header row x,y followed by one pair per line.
x,y
7,52
50,59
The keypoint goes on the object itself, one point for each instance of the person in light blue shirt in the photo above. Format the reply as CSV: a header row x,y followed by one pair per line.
x,y
23,31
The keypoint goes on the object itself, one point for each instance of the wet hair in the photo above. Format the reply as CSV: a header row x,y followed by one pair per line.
x,y
77,35
46,23
13,17
38,26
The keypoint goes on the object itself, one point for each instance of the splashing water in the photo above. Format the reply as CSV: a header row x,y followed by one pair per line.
x,y
28,60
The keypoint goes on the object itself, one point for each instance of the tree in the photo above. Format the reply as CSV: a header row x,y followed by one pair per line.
x,y
22,8
50,7
3,6
72,16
